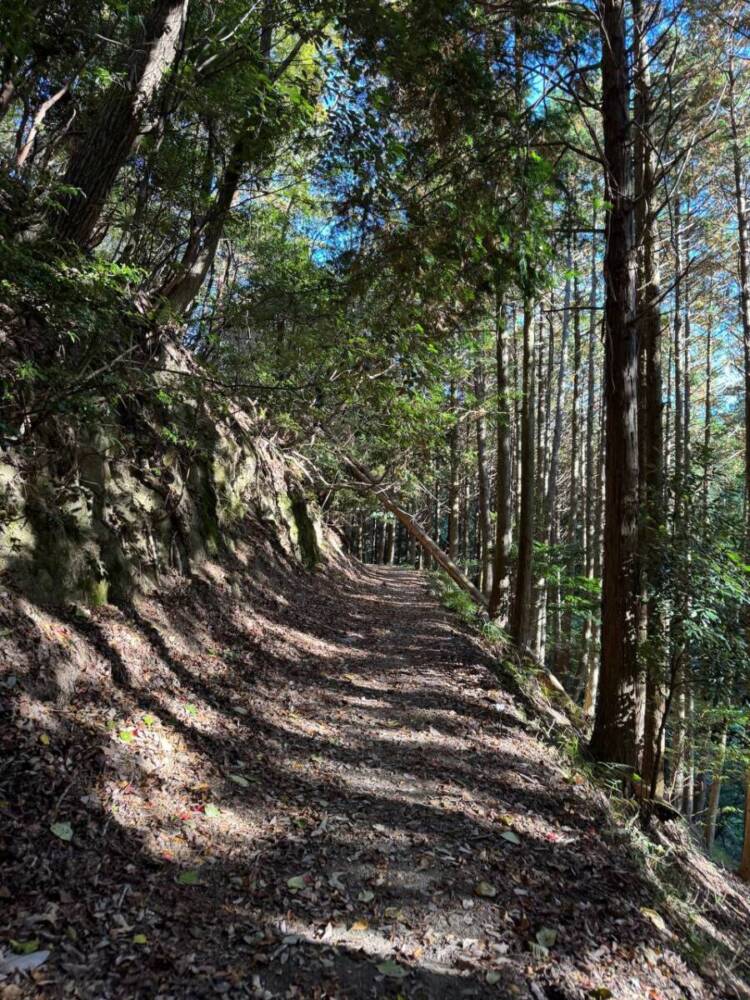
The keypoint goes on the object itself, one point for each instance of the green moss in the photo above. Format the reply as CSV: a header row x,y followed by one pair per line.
x,y
207,532
307,539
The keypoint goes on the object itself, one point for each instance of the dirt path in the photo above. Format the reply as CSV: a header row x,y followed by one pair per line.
x,y
324,793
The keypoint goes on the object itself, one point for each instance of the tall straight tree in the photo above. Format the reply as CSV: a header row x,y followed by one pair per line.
x,y
499,597
649,320
615,736
743,235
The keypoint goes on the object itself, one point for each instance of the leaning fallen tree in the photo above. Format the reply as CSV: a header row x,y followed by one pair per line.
x,y
369,482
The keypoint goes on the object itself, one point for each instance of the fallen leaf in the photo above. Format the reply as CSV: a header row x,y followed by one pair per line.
x,y
546,937
296,882
23,963
239,780
511,836
139,939
392,969
190,877
485,889
360,925
211,810
44,739
335,882
492,978
24,947
62,830
656,918
366,896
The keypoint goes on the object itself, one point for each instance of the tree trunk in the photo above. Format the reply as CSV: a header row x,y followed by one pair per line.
x,y
7,92
521,612
744,870
389,544
707,425
616,736
24,151
714,794
544,370
549,508
553,445
180,290
653,514
380,546
453,488
743,235
103,149
484,520
500,596
591,541
565,645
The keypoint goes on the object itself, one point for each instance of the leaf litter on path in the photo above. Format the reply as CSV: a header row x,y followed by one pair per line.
x,y
379,820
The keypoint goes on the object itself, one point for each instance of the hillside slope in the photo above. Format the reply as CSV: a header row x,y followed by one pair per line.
x,y
282,784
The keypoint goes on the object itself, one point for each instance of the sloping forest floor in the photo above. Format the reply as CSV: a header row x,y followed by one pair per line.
x,y
290,785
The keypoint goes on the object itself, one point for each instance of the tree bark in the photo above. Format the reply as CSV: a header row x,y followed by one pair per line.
x,y
500,596
389,544
180,290
453,488
652,473
615,736
744,870
591,540
483,476
103,149
521,611
743,235
714,794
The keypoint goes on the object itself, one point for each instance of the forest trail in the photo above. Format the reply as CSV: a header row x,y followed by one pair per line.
x,y
329,796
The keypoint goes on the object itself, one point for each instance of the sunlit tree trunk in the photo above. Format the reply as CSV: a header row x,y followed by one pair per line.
x,y
678,734
520,625
549,518
544,370
389,544
591,540
500,596
563,654
744,262
714,794
484,521
453,483
707,424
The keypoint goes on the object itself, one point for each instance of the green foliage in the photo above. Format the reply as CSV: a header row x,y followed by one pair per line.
x,y
455,599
